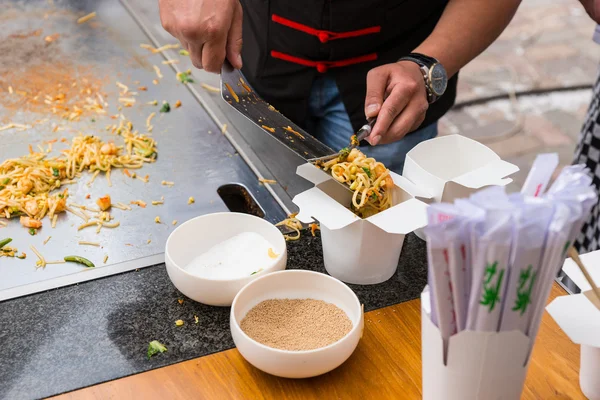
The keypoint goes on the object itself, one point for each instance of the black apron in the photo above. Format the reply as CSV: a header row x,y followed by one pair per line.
x,y
288,43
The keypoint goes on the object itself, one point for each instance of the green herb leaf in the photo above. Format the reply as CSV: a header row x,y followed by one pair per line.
x,y
4,242
93,120
55,172
5,181
367,171
374,196
166,107
184,52
32,231
155,347
62,196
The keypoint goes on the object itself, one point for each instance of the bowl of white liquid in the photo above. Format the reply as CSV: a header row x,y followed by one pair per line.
x,y
211,257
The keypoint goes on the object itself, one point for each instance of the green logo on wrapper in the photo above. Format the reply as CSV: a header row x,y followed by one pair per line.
x,y
491,293
524,293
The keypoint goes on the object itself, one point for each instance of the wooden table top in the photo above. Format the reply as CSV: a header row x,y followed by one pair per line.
x,y
387,362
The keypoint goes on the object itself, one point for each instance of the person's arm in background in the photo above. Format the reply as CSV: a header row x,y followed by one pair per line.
x,y
592,7
211,30
396,92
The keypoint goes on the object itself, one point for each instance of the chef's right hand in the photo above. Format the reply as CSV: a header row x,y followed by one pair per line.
x,y
209,30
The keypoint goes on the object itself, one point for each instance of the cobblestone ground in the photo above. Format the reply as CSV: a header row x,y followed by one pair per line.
x,y
547,45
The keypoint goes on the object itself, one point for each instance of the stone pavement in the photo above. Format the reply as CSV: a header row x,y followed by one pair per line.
x,y
547,45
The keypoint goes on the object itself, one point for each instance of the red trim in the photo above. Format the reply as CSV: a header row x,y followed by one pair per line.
x,y
324,36
323,66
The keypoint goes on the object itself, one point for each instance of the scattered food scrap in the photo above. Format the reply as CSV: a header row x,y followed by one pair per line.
x,y
86,18
174,222
105,259
184,52
86,243
267,181
157,71
196,318
272,253
224,128
191,200
169,62
291,130
232,93
139,203
148,120
155,347
177,104
272,130
257,271
47,239
167,183
185,76
210,88
157,220
293,223
79,260
180,301
165,107
104,202
313,228
179,322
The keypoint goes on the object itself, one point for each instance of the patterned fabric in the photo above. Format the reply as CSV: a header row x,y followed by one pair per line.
x,y
588,153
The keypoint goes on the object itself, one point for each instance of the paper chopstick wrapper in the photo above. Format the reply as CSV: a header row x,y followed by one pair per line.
x,y
532,218
491,260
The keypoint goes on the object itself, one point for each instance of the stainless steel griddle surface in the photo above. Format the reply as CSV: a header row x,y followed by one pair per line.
x,y
196,160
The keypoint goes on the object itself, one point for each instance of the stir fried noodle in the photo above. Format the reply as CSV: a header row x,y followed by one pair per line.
x,y
29,184
369,179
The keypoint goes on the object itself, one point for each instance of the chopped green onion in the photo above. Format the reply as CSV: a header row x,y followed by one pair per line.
x,y
80,260
4,242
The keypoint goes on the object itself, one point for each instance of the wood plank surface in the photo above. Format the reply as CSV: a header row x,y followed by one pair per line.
x,y
385,365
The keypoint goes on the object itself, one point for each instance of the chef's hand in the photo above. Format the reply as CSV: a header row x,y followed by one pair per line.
x,y
396,95
209,29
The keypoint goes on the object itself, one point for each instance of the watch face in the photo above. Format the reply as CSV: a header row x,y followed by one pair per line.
x,y
438,79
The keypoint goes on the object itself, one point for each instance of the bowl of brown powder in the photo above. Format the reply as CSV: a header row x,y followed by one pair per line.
x,y
296,324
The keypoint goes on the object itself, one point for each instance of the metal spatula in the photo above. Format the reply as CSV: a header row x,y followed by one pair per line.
x,y
236,91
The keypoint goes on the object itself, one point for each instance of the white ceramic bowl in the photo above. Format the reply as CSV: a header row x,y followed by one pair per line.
x,y
296,284
199,234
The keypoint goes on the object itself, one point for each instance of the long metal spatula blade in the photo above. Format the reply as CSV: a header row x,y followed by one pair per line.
x,y
236,91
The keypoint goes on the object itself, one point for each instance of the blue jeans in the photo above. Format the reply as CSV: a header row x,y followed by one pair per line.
x,y
328,121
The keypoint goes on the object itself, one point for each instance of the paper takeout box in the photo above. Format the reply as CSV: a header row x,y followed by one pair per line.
x,y
453,167
579,317
478,365
356,250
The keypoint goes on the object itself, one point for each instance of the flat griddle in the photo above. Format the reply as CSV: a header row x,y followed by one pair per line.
x,y
192,151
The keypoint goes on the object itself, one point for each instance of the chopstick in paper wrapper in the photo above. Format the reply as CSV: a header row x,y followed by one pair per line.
x,y
575,197
491,260
442,229
531,218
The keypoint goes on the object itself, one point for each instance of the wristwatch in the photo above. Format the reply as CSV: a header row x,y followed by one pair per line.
x,y
434,74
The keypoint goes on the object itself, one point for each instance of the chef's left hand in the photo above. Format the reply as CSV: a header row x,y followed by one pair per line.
x,y
396,95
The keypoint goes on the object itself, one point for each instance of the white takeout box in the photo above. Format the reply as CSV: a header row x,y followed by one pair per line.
x,y
453,167
355,250
579,317
479,365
